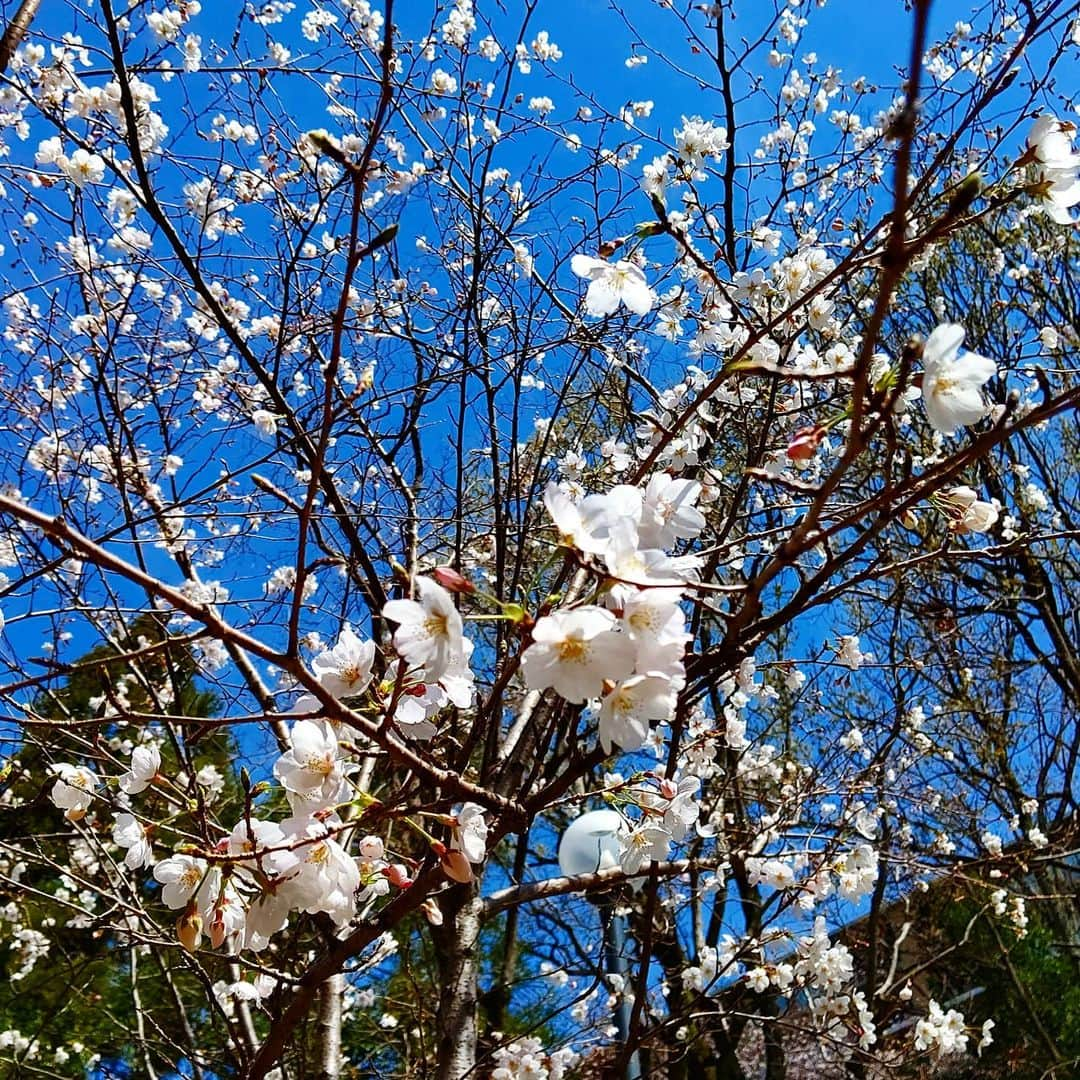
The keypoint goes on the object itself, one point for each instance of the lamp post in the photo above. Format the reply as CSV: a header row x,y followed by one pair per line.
x,y
591,843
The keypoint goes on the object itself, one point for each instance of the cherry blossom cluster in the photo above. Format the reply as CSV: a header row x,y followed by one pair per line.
x,y
625,655
243,891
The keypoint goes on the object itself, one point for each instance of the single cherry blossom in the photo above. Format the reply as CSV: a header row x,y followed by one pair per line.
x,y
625,712
311,767
668,512
129,833
575,651
643,844
611,284
470,833
571,527
429,633
72,792
145,762
180,877
345,670
952,383
1051,141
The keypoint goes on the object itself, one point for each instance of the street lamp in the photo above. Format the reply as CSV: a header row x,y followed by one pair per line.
x,y
591,843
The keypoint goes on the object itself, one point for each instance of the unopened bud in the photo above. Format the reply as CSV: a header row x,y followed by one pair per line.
x,y
189,929
217,930
457,867
453,581
397,875
805,442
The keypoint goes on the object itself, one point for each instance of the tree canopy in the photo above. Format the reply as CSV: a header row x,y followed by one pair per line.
x,y
425,423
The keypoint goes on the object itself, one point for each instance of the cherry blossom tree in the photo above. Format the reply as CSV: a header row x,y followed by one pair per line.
x,y
492,447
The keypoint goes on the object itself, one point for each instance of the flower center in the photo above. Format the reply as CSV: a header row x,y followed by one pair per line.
x,y
436,626
324,766
573,651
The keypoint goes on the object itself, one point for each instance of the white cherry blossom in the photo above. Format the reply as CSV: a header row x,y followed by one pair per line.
x,y
572,528
326,878
261,844
129,833
966,511
345,670
1051,141
628,562
573,652
612,284
470,833
429,633
677,802
643,844
668,512
625,712
145,763
311,767
73,791
655,622
180,876
952,383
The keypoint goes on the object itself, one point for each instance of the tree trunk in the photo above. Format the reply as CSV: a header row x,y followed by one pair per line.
x,y
457,941
330,995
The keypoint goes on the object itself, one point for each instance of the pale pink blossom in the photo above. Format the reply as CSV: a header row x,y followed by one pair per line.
x,y
952,383
612,284
429,633
573,652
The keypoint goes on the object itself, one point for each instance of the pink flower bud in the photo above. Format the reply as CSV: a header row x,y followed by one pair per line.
x,y
452,581
805,442
397,875
457,867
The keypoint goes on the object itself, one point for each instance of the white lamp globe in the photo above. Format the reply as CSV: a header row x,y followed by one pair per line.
x,y
591,843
